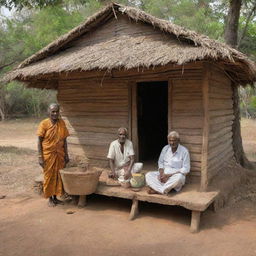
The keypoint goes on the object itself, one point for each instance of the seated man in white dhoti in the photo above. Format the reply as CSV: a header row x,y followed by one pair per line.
x,y
173,166
121,158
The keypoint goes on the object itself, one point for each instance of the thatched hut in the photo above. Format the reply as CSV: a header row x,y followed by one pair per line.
x,y
123,67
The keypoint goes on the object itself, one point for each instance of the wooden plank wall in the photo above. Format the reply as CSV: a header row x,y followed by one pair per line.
x,y
221,118
94,113
187,117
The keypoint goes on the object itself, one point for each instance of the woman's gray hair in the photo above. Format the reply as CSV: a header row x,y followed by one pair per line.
x,y
122,129
53,105
173,134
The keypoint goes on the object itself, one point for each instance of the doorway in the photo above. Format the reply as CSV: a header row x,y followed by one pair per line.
x,y
152,109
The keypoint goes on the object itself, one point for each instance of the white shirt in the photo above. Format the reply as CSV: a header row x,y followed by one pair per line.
x,y
174,162
115,153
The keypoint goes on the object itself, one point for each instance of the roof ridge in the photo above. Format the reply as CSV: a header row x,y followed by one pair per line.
x,y
137,15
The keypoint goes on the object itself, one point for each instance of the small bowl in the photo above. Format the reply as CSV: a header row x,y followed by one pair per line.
x,y
125,184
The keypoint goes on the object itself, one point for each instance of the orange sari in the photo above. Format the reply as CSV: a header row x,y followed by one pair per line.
x,y
53,153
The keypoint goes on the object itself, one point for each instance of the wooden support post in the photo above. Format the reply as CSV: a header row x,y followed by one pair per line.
x,y
134,121
195,221
206,128
82,201
134,209
74,200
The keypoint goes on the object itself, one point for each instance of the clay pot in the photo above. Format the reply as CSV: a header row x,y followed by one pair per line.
x,y
78,182
137,180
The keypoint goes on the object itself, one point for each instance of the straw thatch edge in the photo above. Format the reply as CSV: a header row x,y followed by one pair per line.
x,y
221,51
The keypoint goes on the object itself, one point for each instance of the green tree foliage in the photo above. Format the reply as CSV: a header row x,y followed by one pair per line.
x,y
36,23
21,37
247,102
21,101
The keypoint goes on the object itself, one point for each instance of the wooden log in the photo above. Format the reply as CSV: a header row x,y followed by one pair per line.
x,y
96,121
171,73
186,113
105,100
205,141
195,172
89,95
193,123
134,209
92,86
90,74
216,167
219,104
170,104
195,221
220,133
220,78
218,150
134,120
196,163
221,119
223,112
193,139
216,127
215,142
82,201
92,139
221,159
102,108
186,97
187,83
195,157
220,96
193,148
194,107
75,130
94,151
96,114
224,93
218,88
189,132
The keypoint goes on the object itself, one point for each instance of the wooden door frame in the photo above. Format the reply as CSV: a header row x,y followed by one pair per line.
x,y
133,117
170,92
133,114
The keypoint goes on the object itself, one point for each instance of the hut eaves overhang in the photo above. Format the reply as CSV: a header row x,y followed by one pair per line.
x,y
132,52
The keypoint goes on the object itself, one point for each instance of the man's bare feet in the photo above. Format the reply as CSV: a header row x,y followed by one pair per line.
x,y
51,203
152,191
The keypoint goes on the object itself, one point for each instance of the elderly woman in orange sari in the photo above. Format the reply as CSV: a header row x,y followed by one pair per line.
x,y
53,153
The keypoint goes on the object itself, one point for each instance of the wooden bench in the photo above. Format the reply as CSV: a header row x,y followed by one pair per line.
x,y
188,198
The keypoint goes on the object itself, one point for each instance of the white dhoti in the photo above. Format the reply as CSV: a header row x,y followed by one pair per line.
x,y
137,167
176,181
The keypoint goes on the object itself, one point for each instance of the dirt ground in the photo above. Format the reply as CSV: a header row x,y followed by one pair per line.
x,y
29,227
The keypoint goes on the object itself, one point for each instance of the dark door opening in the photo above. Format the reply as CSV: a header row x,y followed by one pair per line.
x,y
152,118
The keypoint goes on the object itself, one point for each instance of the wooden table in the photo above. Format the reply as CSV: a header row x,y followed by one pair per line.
x,y
188,198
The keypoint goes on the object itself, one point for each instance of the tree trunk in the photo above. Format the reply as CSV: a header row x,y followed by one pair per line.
x,y
231,35
2,114
2,103
236,128
249,16
232,20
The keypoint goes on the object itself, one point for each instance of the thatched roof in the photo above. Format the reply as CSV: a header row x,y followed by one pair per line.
x,y
126,52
